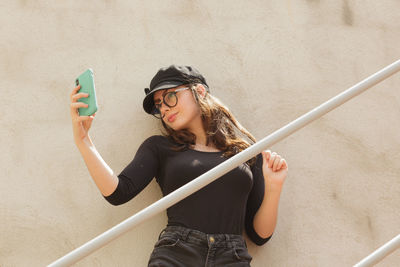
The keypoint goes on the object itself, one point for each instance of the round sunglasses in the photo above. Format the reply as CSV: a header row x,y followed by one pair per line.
x,y
170,99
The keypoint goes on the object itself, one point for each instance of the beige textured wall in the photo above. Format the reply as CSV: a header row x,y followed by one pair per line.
x,y
269,61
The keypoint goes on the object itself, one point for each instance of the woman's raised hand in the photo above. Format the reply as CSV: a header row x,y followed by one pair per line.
x,y
80,124
275,169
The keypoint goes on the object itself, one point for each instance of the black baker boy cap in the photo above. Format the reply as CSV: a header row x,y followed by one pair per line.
x,y
170,77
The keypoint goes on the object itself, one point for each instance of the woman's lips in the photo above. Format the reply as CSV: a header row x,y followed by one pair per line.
x,y
172,117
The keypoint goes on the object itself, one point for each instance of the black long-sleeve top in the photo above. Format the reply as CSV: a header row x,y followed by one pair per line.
x,y
226,205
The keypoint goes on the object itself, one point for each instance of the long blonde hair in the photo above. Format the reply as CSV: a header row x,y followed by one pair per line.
x,y
221,127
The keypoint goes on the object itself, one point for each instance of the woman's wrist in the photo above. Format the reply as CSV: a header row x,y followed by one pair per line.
x,y
85,142
273,187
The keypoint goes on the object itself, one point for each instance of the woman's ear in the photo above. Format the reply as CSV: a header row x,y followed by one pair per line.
x,y
201,90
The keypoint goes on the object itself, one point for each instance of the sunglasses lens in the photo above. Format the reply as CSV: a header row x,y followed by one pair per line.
x,y
171,99
156,113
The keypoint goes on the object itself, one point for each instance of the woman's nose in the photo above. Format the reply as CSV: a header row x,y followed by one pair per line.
x,y
164,108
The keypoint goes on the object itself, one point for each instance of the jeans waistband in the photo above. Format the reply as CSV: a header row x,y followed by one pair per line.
x,y
201,238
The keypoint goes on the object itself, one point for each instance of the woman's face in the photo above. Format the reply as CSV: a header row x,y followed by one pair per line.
x,y
186,113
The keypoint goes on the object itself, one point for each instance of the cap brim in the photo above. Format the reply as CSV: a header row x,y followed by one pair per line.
x,y
148,101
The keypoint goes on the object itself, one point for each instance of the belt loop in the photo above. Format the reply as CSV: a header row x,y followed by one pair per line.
x,y
159,236
185,233
228,242
227,237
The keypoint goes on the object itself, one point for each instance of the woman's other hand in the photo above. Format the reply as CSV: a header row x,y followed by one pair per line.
x,y
80,124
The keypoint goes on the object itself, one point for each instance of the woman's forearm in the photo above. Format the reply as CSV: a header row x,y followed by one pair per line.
x,y
266,216
101,173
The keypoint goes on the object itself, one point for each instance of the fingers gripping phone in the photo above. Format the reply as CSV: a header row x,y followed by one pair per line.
x,y
86,80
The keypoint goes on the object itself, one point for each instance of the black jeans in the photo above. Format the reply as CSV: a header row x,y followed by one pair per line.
x,y
179,246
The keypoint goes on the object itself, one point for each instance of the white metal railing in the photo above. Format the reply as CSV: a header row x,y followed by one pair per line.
x,y
380,253
224,167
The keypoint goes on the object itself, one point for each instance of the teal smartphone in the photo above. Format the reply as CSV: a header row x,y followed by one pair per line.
x,y
86,80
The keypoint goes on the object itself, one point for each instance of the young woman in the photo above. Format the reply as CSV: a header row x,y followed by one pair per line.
x,y
205,228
